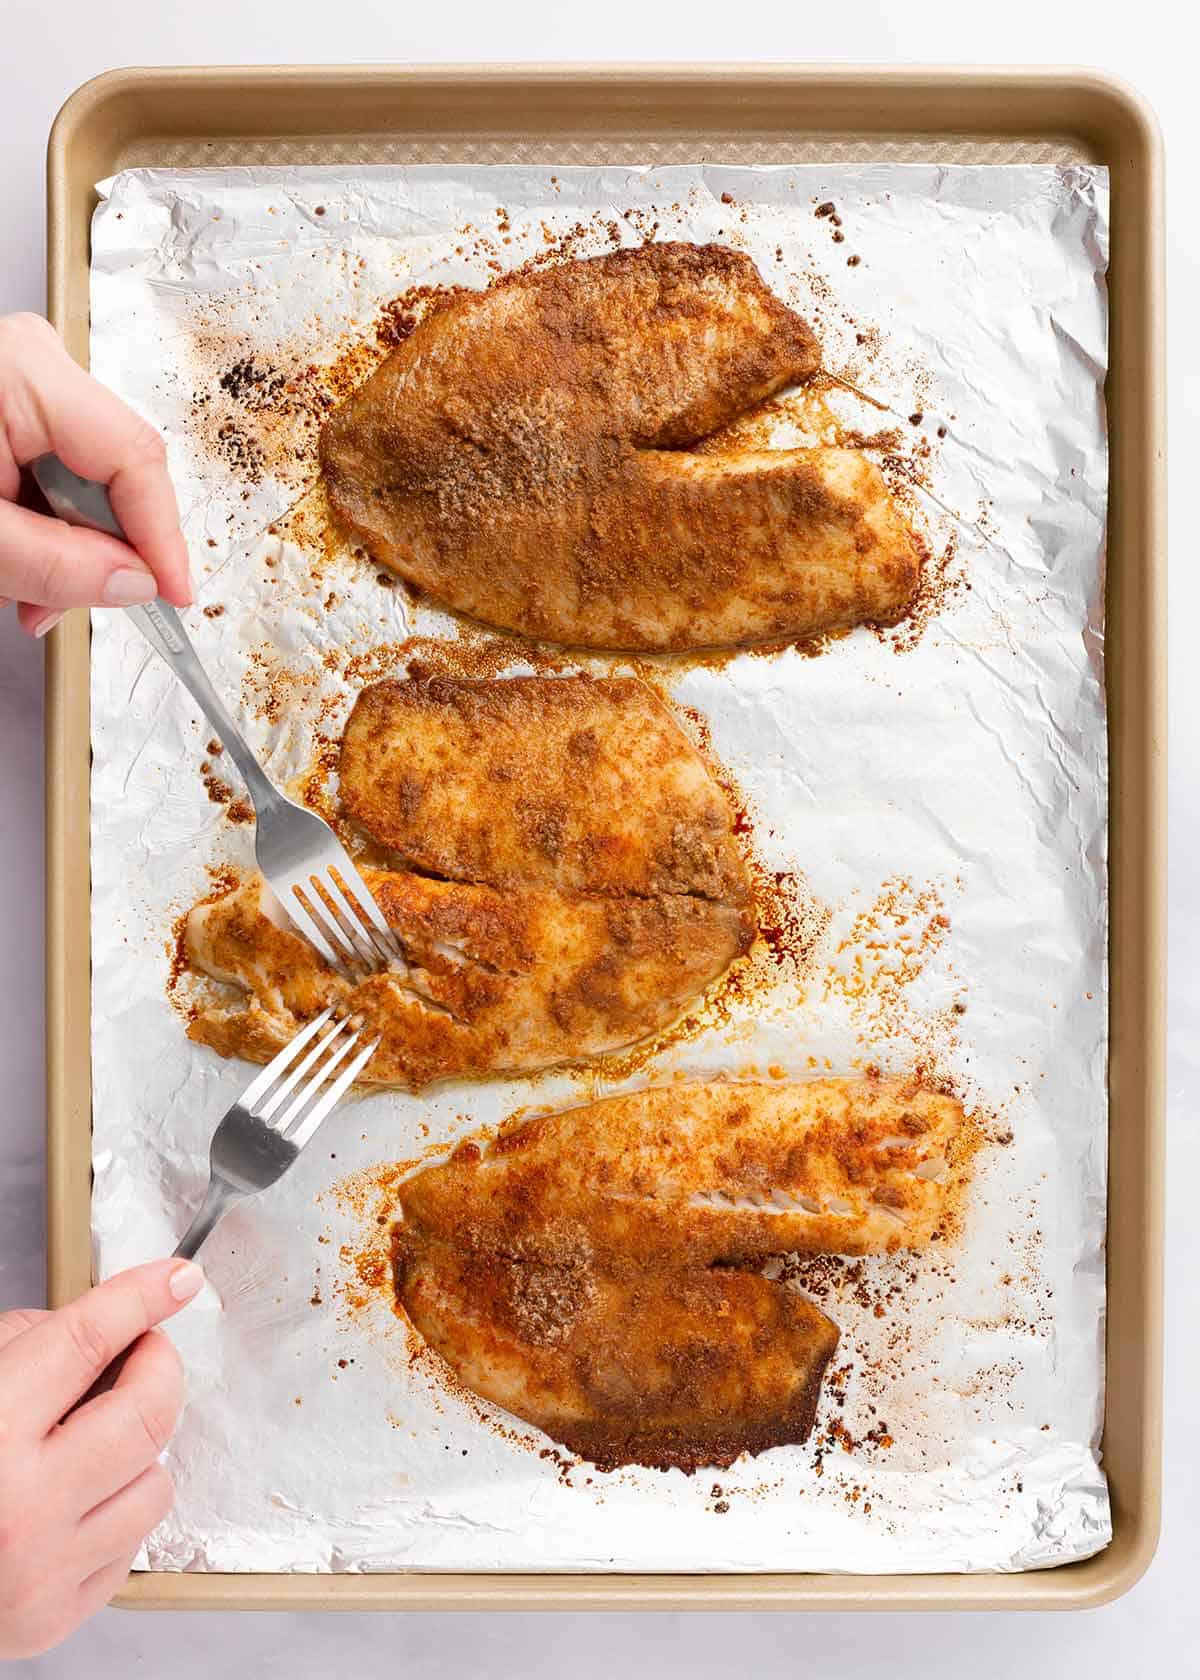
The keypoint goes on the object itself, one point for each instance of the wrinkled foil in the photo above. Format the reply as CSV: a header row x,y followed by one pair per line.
x,y
963,777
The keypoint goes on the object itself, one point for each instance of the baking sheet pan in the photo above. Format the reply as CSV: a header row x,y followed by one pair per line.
x,y
172,118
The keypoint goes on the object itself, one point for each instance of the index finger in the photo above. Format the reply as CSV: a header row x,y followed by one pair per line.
x,y
45,1369
65,410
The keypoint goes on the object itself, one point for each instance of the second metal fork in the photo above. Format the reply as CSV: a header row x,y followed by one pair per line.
x,y
276,1115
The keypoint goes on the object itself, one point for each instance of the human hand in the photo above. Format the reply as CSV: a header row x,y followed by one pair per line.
x,y
48,403
79,1492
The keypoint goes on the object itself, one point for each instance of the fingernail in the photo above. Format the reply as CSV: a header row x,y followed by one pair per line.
x,y
129,588
186,1280
48,623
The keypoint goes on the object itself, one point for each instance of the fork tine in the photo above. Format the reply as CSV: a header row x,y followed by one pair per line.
x,y
302,1130
309,927
277,1097
360,897
340,908
312,895
307,1092
263,1081
314,902
375,937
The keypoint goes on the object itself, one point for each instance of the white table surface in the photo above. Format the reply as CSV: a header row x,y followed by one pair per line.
x,y
48,50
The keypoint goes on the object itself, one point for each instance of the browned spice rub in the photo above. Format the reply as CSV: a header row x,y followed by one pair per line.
x,y
528,456
586,784
557,916
712,1173
594,1271
671,1370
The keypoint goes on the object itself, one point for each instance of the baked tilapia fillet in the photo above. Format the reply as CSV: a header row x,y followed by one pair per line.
x,y
566,883
494,982
582,783
596,1272
667,1369
715,1173
531,456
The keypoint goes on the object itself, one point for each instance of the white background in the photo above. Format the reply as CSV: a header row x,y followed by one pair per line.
x,y
45,52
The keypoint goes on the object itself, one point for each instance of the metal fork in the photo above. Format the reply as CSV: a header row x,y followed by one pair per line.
x,y
306,865
276,1115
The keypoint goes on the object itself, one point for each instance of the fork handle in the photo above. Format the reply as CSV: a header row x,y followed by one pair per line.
x,y
216,1204
82,501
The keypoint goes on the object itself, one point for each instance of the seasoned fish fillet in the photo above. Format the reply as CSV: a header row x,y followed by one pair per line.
x,y
593,1271
586,784
662,1369
579,884
692,1175
497,981
527,456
